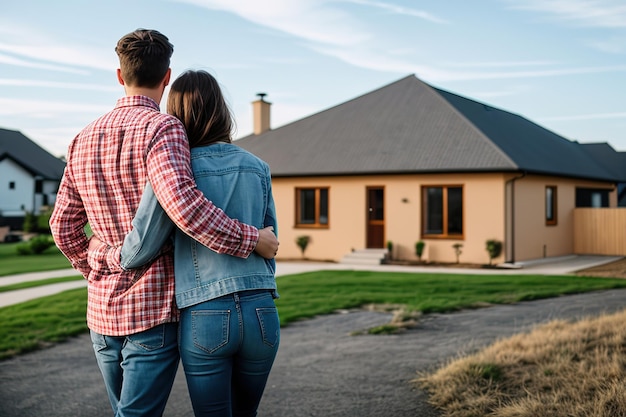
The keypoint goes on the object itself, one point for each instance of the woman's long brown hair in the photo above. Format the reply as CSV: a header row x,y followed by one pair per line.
x,y
196,99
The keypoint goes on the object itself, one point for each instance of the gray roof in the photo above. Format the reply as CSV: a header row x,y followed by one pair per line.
x,y
30,156
411,127
604,154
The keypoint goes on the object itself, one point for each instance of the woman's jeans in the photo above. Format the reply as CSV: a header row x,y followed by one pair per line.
x,y
139,369
227,347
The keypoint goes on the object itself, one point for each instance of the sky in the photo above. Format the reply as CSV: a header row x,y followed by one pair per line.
x,y
559,63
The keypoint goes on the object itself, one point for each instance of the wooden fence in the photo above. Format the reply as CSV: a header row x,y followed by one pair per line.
x,y
600,231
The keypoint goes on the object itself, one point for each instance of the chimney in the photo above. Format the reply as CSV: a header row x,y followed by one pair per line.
x,y
261,114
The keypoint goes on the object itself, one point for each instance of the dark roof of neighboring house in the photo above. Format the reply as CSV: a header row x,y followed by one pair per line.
x,y
29,155
411,127
604,154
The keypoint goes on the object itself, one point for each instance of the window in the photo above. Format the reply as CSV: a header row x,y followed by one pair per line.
x,y
312,207
11,185
442,211
592,197
551,209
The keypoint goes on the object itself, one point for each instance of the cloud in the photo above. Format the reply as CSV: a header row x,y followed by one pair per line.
x,y
44,109
405,11
9,60
31,48
313,21
54,140
530,73
598,13
501,64
52,84
613,45
332,32
378,62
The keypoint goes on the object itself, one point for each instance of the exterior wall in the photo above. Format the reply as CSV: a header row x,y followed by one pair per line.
x,y
346,218
483,196
489,213
533,239
14,202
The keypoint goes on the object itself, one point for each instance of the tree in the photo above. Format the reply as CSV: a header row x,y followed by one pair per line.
x,y
303,242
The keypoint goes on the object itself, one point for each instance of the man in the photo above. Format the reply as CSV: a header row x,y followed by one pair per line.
x,y
132,315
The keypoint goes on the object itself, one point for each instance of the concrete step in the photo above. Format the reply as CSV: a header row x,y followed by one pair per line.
x,y
365,257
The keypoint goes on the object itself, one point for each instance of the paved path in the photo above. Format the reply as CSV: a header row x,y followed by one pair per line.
x,y
321,370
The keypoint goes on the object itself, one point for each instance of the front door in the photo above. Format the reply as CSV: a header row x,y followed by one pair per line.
x,y
375,217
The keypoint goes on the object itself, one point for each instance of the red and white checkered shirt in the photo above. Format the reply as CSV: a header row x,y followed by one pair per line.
x,y
108,165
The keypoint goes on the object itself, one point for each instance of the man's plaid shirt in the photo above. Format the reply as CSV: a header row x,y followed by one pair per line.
x,y
108,165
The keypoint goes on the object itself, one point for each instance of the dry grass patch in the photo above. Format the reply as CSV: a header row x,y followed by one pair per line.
x,y
573,369
401,319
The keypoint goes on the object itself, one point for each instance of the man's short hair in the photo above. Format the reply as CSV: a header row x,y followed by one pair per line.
x,y
144,57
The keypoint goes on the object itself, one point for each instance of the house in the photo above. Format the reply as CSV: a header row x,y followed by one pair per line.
x,y
29,178
409,162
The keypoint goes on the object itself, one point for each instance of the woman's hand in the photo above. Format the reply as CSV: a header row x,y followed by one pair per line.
x,y
94,243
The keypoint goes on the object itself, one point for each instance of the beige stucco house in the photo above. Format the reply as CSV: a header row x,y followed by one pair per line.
x,y
409,162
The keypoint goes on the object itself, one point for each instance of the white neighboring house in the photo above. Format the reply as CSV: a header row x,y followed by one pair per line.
x,y
29,178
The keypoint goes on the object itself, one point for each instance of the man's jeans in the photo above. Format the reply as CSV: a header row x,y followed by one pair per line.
x,y
227,347
139,369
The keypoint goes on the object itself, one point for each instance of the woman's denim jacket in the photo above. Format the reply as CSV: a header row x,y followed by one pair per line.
x,y
240,184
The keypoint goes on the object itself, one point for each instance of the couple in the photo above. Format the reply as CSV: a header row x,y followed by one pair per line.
x,y
128,173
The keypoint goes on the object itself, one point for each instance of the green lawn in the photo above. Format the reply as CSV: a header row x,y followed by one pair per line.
x,y
36,323
306,295
12,263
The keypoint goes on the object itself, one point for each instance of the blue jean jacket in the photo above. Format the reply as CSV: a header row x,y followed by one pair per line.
x,y
240,184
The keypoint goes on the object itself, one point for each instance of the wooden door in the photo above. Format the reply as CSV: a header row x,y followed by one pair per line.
x,y
375,228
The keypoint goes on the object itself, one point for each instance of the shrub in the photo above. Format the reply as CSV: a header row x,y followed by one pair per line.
x,y
457,250
419,249
35,246
23,249
303,242
494,248
43,221
30,222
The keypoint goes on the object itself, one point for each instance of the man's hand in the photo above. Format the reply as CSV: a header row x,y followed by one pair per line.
x,y
267,246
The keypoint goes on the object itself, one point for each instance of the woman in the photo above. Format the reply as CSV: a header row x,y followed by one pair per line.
x,y
229,328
